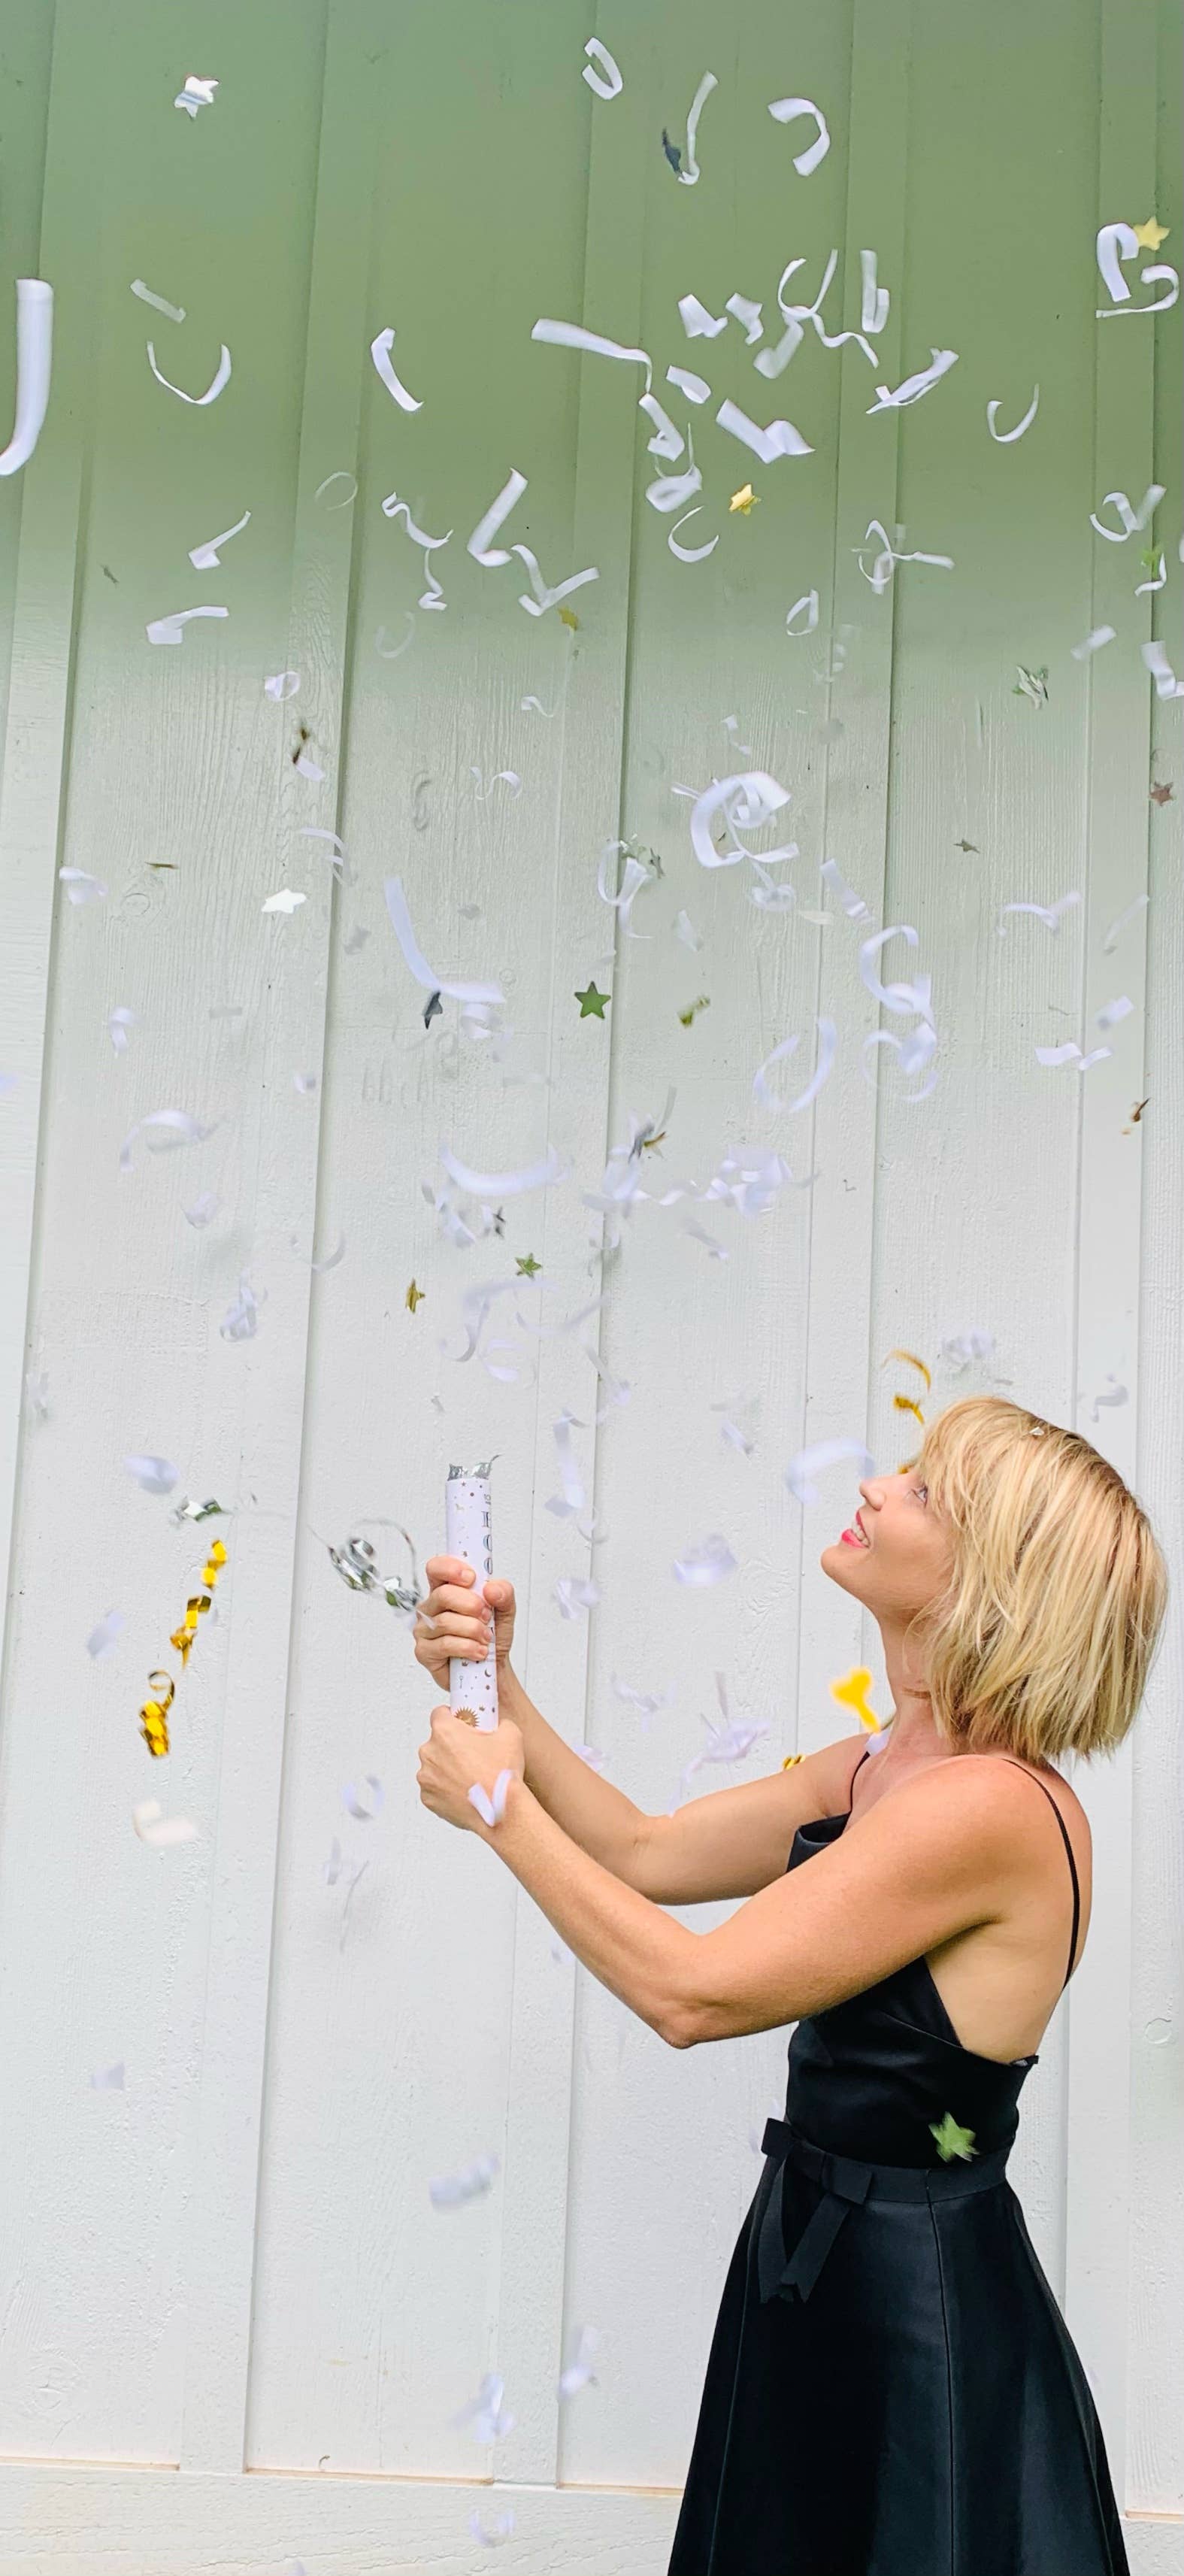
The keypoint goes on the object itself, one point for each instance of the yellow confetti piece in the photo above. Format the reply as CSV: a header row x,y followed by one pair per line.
x,y
745,499
910,1357
567,617
905,1404
790,1759
1150,235
154,1713
415,1297
851,1691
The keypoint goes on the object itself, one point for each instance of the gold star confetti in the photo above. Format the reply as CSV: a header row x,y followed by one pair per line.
x,y
1150,235
851,1691
745,499
415,1297
967,845
702,1004
567,617
951,2140
592,1003
528,1267
1162,793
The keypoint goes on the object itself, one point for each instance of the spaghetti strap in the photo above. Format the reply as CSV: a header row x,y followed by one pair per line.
x,y
858,1767
1020,1766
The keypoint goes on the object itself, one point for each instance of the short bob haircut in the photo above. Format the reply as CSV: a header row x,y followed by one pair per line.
x,y
1042,1640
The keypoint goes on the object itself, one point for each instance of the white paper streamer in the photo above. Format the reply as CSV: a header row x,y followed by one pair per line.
x,y
667,441
786,111
1008,437
574,1596
278,685
745,802
876,299
240,1322
503,1185
808,1463
478,544
396,904
690,554
1112,1012
339,477
809,602
284,900
1051,914
669,491
696,388
707,1563
688,176
485,2410
1132,519
1158,579
572,335
153,1475
545,598
161,1830
361,1807
197,401
579,2372
204,558
779,439
894,997
1070,1053
108,2079
890,555
914,387
1116,242
34,360
1093,642
748,315
451,2191
852,903
611,85
697,322
104,1636
828,1039
81,887
163,1129
380,351
170,630
1166,683
1120,921
504,2527
172,312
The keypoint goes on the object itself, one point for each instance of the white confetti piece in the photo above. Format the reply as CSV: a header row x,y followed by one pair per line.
x,y
329,1260
108,2079
482,794
894,997
817,1460
503,1185
962,1348
1051,914
690,554
809,603
396,651
780,438
196,93
828,1039
844,894
457,990
485,2410
744,802
37,1394
81,887
364,1801
890,555
696,388
1166,683
161,1830
1093,642
607,81
545,598
213,389
688,176
285,901
119,1021
503,2528
203,1210
162,1130
697,322
1116,242
748,315
335,853
876,300
380,351
341,476
1071,1053
646,1702
171,630
706,1563
579,2372
491,1809
786,111
572,335
914,387
1120,921
281,685
1157,580
306,768
240,1322
153,1475
451,2191
667,441
685,930
1117,1395
478,544
203,558
1133,520
913,1052
172,312
103,1637
1112,1012
669,491
574,1595
1008,437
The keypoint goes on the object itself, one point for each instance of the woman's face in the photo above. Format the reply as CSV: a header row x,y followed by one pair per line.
x,y
896,1555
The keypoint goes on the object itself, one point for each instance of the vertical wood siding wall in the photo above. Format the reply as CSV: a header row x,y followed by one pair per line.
x,y
232,2266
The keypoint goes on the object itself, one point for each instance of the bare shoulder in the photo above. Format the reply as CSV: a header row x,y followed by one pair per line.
x,y
988,1804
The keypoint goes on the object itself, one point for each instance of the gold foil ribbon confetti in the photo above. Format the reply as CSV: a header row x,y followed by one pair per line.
x,y
154,1713
851,1691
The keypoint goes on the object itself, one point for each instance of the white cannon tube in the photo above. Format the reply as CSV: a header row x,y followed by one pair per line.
x,y
472,1688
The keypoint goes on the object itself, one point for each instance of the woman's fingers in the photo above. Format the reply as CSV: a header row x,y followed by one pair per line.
x,y
452,1596
449,1569
450,1633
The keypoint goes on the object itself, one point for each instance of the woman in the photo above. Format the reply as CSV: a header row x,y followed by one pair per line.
x,y
891,2389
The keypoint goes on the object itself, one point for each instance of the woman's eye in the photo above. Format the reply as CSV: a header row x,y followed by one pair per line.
x,y
923,1491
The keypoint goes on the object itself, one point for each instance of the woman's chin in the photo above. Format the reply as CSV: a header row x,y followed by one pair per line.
x,y
839,1560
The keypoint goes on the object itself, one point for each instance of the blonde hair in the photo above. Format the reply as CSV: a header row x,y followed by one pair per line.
x,y
1042,1639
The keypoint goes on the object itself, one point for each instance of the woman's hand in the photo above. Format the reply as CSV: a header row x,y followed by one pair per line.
x,y
458,1757
459,1618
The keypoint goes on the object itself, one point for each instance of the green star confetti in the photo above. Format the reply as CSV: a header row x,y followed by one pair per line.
x,y
951,2140
592,1003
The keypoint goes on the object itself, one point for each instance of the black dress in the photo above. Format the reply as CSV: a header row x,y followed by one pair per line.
x,y
892,2390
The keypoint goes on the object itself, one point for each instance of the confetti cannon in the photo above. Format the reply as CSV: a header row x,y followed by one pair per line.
x,y
472,1687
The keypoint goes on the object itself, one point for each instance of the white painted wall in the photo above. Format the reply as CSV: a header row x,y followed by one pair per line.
x,y
232,2328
